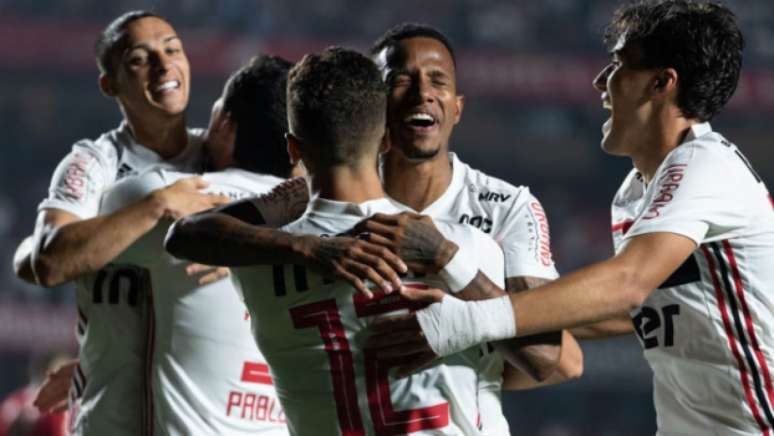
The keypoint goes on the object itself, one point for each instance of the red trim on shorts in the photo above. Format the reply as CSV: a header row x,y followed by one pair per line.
x,y
732,343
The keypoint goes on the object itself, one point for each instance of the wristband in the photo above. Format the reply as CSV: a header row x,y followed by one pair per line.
x,y
460,271
454,325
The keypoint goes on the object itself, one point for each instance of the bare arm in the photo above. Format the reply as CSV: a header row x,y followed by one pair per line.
x,y
570,367
66,246
22,260
618,326
538,356
604,290
418,242
232,236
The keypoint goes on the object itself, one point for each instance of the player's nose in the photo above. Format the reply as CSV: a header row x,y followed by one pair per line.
x,y
600,82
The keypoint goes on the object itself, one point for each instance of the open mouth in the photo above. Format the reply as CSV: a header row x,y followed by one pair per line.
x,y
420,121
166,86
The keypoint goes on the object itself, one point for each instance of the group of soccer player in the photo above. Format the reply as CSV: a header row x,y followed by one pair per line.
x,y
394,289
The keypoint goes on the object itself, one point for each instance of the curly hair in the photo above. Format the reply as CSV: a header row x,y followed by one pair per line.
x,y
254,99
398,33
700,40
112,40
337,106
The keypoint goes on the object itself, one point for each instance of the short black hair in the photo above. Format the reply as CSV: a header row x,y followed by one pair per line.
x,y
393,36
700,40
337,104
254,99
111,42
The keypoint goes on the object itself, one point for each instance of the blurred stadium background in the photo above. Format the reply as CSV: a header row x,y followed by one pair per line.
x,y
531,117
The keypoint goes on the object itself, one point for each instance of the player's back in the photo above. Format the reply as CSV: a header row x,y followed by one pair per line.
x,y
311,331
208,376
109,392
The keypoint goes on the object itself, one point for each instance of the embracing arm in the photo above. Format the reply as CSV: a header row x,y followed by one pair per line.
x,y
233,235
570,367
66,246
604,290
618,326
601,291
538,356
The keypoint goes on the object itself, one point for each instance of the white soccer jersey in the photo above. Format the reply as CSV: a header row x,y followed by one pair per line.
x,y
707,330
208,376
516,220
108,390
311,331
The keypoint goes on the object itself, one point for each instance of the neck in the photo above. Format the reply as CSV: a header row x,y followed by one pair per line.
x,y
668,133
348,184
165,136
416,184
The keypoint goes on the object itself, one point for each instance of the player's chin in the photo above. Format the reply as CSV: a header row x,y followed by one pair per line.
x,y
419,151
610,145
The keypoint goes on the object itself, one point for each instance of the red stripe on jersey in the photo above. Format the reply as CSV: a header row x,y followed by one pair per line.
x,y
254,372
771,200
623,226
748,320
732,342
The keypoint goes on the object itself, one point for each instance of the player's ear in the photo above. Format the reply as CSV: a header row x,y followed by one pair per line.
x,y
385,145
107,85
665,80
294,148
459,104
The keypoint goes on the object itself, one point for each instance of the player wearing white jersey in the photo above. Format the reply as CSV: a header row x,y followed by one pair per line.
x,y
704,330
114,314
144,67
342,169
208,377
515,219
437,184
418,64
694,231
311,333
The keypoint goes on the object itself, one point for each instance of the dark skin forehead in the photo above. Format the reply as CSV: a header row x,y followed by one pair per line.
x,y
412,53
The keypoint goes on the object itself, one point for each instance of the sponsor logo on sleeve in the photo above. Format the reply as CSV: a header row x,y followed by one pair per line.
x,y
544,238
667,185
76,175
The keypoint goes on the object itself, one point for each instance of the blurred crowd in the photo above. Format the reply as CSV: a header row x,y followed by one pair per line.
x,y
513,25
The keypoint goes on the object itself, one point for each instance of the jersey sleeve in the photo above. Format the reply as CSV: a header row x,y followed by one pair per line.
x,y
693,196
79,181
491,260
526,240
476,251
